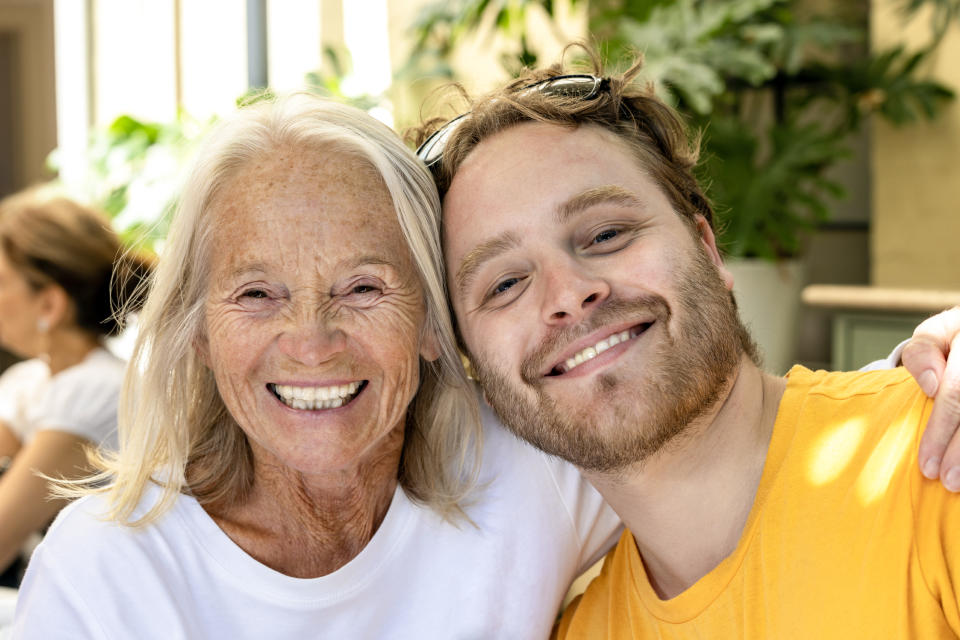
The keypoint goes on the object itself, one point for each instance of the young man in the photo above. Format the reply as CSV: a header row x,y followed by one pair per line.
x,y
596,310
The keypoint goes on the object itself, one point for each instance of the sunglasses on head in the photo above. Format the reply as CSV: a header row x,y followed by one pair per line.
x,y
582,86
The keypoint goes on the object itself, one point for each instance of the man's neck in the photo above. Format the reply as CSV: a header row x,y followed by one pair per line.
x,y
687,506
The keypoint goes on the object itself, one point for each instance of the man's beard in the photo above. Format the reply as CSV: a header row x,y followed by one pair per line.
x,y
629,419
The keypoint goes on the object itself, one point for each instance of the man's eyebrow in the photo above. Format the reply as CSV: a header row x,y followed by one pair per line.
x,y
605,194
483,252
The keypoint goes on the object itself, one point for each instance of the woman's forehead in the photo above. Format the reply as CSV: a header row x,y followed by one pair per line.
x,y
306,208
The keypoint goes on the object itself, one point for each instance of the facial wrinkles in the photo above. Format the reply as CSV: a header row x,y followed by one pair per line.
x,y
313,232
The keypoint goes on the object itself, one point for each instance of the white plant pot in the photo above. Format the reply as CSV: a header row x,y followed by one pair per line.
x,y
768,296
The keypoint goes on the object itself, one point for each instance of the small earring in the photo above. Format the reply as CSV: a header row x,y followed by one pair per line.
x,y
43,325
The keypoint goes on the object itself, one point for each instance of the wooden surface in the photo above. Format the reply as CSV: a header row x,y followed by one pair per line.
x,y
880,298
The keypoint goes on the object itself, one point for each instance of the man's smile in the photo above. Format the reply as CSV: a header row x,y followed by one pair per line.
x,y
579,353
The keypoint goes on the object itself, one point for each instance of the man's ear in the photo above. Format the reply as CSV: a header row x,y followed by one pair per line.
x,y
709,242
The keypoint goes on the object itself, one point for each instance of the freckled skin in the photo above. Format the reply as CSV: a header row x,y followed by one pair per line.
x,y
312,284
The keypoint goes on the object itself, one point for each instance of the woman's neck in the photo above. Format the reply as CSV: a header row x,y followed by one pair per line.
x,y
67,347
310,526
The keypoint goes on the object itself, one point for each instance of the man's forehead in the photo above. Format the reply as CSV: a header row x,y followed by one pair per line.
x,y
533,162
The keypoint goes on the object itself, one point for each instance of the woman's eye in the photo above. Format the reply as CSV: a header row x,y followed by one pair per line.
x,y
255,293
363,288
365,292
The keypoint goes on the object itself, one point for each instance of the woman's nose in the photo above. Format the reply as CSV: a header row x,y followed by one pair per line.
x,y
311,342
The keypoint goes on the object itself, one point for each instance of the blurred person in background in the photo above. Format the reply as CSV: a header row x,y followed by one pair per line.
x,y
61,265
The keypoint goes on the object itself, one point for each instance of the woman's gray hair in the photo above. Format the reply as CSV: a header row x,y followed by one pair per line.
x,y
174,428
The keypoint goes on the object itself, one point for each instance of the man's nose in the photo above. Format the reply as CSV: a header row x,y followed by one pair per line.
x,y
571,293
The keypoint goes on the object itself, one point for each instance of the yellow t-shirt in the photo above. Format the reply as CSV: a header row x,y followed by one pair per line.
x,y
846,539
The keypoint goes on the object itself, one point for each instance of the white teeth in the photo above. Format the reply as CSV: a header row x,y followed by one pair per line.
x,y
311,398
592,352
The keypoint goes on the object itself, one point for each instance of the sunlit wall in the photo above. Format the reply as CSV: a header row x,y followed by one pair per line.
x,y
916,222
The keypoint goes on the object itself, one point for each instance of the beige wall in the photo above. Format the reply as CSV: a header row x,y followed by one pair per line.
x,y
916,174
28,25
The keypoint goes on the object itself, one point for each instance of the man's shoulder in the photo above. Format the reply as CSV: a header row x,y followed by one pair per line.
x,y
830,409
842,385
593,613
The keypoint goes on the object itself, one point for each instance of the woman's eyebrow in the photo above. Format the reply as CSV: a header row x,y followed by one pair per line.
x,y
605,194
240,271
371,259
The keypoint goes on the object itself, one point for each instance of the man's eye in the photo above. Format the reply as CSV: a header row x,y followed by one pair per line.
x,y
503,286
605,235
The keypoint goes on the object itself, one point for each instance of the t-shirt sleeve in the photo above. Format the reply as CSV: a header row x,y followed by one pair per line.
x,y
50,607
892,361
19,384
597,525
937,514
8,394
82,402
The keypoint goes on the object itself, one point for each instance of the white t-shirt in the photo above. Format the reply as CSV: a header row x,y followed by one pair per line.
x,y
81,399
538,526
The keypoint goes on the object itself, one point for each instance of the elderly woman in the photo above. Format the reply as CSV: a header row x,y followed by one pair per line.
x,y
57,258
298,440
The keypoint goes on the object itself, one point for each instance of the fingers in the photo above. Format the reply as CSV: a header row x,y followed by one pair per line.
x,y
925,359
925,356
931,358
946,417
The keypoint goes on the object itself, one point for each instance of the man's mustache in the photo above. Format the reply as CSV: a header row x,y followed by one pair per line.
x,y
609,312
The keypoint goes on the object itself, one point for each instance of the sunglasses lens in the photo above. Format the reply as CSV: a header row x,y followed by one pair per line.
x,y
583,87
431,150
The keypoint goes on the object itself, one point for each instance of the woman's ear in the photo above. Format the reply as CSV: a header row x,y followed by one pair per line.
x,y
202,348
429,343
55,307
709,242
